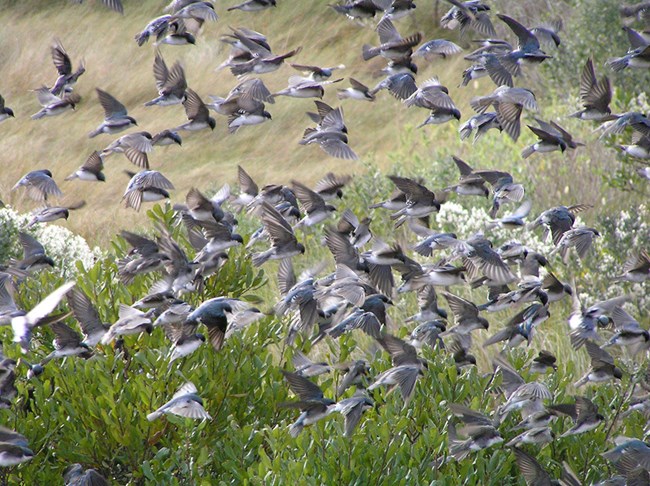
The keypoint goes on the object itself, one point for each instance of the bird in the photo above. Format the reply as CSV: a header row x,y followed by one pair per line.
x,y
311,402
543,362
479,429
115,5
130,321
528,47
508,103
636,268
435,97
166,137
23,324
628,332
14,448
76,475
580,238
5,111
432,49
602,369
392,45
171,83
146,186
469,183
407,367
53,105
420,201
316,73
116,117
638,56
91,170
467,15
34,255
87,316
253,5
330,133
535,435
306,367
314,205
197,113
185,403
39,185
352,409
504,188
184,340
558,220
552,137
585,321
482,260
466,315
355,373
283,240
401,85
595,95
479,124
63,64
356,91
52,213
514,219
134,145
357,9
157,27
331,186
260,59
213,314
428,306
584,414
67,342
531,470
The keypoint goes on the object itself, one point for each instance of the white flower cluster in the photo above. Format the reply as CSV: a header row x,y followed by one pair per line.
x,y
455,218
639,103
624,234
63,246
628,231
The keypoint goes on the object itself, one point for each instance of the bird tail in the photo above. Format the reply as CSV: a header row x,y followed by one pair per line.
x,y
369,52
39,115
618,63
577,340
108,338
141,38
296,428
465,131
153,416
94,133
528,151
457,448
495,208
261,258
581,381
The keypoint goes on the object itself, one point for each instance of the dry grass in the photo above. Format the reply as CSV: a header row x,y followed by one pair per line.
x,y
269,152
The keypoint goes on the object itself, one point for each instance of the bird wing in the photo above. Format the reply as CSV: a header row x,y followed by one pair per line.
x,y
195,109
304,388
311,200
112,108
277,227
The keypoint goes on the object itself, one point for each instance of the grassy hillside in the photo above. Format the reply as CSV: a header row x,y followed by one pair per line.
x,y
382,133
